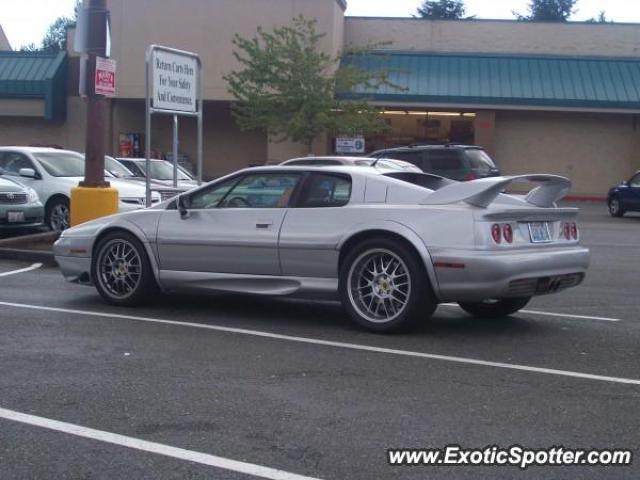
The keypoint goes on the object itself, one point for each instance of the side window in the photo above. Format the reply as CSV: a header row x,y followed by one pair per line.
x,y
446,163
261,191
135,169
210,197
326,190
12,162
635,181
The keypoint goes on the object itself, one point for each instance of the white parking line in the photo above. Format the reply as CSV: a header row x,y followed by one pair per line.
x,y
35,266
551,314
153,447
329,343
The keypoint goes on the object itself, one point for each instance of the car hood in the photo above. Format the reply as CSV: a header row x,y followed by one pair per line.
x,y
9,185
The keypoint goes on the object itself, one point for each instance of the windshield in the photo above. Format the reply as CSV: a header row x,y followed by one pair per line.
x,y
116,169
61,164
163,170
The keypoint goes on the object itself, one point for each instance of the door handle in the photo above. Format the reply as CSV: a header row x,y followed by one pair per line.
x,y
264,223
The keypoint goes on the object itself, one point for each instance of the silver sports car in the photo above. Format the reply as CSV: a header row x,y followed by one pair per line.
x,y
390,245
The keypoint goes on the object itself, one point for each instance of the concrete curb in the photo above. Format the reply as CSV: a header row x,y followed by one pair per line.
x,y
13,248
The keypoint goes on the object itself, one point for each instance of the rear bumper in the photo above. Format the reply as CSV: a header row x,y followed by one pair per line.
x,y
465,275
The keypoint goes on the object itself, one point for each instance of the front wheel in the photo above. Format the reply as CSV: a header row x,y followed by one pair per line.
x,y
494,308
121,270
58,214
615,208
384,286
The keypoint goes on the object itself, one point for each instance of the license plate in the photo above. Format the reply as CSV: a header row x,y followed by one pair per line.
x,y
15,217
539,232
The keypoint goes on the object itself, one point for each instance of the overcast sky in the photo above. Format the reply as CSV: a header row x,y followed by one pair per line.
x,y
25,21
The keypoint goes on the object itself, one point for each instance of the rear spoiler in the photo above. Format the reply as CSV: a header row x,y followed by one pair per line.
x,y
484,191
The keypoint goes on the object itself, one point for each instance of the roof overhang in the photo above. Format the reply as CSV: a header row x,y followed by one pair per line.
x,y
500,82
26,78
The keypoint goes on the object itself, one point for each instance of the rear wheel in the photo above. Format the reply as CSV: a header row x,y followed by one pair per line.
x,y
384,286
615,208
494,308
121,270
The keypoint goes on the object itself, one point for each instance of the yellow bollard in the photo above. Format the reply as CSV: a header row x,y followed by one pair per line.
x,y
91,203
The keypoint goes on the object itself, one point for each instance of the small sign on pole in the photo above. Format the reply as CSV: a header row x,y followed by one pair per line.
x,y
350,144
105,77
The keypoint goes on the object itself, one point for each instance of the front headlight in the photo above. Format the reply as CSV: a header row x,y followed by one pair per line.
x,y
32,195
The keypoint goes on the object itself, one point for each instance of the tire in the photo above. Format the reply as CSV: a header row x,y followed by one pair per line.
x,y
121,270
496,308
58,214
615,208
400,290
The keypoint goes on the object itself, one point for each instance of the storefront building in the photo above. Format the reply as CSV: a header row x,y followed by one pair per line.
x,y
540,97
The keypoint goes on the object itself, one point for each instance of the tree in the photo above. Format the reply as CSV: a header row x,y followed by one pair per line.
x,y
442,9
287,86
548,11
602,18
55,38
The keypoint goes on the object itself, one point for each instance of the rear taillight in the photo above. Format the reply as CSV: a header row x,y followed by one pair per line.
x,y
567,231
471,176
574,231
496,233
507,233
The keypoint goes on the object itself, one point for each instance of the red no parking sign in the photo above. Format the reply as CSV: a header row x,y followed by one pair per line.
x,y
105,77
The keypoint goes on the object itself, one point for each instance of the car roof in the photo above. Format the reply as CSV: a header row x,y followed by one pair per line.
x,y
35,149
431,147
349,169
334,157
141,159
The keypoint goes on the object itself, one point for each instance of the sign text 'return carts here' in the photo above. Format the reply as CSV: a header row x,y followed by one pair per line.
x,y
175,82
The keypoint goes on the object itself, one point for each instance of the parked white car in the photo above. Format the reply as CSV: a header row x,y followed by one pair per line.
x,y
52,173
161,172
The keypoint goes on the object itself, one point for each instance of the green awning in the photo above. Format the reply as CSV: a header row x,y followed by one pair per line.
x,y
502,81
36,75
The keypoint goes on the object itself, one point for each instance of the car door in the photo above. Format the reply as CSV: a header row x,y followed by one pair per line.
x,y
315,225
232,227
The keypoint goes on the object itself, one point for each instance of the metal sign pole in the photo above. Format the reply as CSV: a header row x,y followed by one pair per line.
x,y
175,151
147,133
200,123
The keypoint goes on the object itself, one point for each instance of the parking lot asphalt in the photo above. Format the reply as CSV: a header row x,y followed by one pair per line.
x,y
237,387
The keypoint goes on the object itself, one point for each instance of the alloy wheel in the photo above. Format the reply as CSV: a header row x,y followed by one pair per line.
x,y
379,285
119,268
59,217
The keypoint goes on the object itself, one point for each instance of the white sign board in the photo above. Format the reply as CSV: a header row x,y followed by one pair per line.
x,y
175,82
350,145
105,77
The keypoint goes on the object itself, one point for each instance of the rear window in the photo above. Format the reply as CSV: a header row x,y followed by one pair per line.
x,y
432,182
414,158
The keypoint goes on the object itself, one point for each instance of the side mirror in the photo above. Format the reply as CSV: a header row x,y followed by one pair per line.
x,y
183,203
27,173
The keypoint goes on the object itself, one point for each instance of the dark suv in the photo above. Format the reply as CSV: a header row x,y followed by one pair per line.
x,y
458,162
